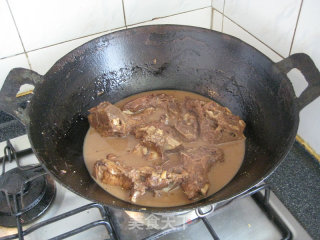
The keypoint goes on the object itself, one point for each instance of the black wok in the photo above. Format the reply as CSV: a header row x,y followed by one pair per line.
x,y
127,62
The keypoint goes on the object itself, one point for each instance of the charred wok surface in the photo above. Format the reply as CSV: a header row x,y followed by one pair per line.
x,y
165,126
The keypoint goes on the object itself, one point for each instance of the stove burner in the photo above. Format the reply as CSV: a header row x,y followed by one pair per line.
x,y
25,193
13,182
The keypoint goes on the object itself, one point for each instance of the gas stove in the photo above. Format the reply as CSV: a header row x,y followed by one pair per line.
x,y
34,206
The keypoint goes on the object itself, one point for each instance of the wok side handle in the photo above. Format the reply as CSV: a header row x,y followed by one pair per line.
x,y
14,94
304,63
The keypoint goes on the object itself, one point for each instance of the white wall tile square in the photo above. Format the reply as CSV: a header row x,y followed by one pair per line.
x,y
9,41
217,21
42,23
218,4
272,21
308,31
298,81
233,29
9,63
307,40
145,10
309,127
197,18
43,59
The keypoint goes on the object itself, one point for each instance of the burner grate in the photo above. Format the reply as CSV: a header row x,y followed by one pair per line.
x,y
262,201
105,222
26,192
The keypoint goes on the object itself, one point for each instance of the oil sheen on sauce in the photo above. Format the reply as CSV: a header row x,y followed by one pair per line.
x,y
96,147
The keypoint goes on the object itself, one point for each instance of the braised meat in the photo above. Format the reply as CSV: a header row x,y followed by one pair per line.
x,y
197,163
108,120
152,100
177,137
138,180
187,126
158,136
113,173
217,123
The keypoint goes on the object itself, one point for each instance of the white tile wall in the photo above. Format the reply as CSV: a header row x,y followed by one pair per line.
x,y
217,21
307,40
198,18
51,28
9,63
309,127
271,21
233,29
308,31
43,23
9,41
145,10
218,5
43,59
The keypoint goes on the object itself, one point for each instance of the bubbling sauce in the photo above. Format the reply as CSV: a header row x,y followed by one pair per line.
x,y
97,147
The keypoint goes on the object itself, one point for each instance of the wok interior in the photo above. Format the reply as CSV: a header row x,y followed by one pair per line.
x,y
124,63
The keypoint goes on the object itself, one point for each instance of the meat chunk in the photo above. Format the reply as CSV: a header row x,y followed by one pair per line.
x,y
138,180
217,123
197,163
110,172
151,100
108,120
158,136
187,127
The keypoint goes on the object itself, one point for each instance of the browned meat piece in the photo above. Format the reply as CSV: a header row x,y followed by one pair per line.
x,y
108,120
217,123
138,177
187,126
109,172
138,180
142,116
113,173
158,136
174,107
148,178
163,179
197,163
173,164
152,100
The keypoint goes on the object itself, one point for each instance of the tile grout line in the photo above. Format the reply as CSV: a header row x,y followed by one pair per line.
x,y
295,28
13,55
224,4
255,37
114,29
211,18
156,18
124,14
212,9
15,24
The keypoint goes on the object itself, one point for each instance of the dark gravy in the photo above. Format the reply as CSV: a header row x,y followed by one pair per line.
x,y
97,147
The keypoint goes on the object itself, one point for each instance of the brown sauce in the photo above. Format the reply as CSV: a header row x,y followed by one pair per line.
x,y
97,147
